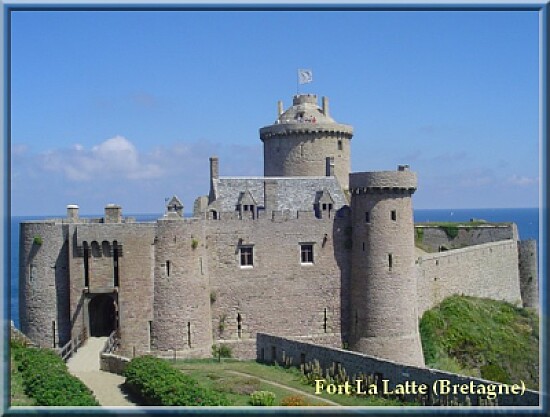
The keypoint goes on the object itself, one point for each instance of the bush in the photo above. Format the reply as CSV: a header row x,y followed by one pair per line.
x,y
294,401
37,240
161,384
221,351
262,398
47,380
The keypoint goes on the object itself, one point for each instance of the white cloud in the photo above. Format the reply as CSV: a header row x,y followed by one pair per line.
x,y
522,180
115,158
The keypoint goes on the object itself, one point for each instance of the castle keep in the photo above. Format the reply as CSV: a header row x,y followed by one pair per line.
x,y
308,251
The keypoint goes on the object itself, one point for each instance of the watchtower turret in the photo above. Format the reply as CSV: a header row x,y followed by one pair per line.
x,y
384,320
302,138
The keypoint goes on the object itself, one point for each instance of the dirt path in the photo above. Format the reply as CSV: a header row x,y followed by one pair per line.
x,y
105,385
296,390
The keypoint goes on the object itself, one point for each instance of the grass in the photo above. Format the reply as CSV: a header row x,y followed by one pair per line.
x,y
17,395
479,337
219,376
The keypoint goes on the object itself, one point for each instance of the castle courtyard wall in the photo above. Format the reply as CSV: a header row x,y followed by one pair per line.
x,y
489,270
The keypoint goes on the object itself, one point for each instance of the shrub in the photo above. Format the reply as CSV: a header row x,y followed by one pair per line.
x,y
194,243
294,401
161,384
37,240
47,380
221,351
262,398
451,230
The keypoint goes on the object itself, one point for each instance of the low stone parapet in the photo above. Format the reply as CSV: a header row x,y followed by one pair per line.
x,y
112,363
271,348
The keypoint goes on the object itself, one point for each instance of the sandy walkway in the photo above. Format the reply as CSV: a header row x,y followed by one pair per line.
x,y
105,385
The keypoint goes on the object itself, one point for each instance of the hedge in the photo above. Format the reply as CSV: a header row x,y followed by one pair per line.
x,y
47,380
161,384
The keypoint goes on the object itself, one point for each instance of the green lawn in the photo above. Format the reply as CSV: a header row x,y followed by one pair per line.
x,y
218,375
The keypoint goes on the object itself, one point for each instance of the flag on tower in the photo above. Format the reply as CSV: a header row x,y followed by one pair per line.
x,y
305,76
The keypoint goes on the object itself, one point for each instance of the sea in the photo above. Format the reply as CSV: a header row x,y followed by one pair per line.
x,y
527,220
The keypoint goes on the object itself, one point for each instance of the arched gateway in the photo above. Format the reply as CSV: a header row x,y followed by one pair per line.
x,y
102,314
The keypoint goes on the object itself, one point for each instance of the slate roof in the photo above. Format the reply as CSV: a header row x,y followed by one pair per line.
x,y
293,193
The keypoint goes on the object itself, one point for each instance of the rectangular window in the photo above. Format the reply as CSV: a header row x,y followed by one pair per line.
x,y
306,252
367,217
247,256
390,261
340,145
393,215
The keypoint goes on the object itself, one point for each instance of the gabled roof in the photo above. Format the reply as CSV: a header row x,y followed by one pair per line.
x,y
246,198
323,197
174,204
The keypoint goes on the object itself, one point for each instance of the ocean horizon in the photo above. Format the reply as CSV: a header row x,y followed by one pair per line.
x,y
527,220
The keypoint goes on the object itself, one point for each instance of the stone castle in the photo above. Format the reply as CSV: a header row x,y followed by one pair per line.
x,y
308,251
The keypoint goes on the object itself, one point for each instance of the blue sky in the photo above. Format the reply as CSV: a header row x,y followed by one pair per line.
x,y
126,107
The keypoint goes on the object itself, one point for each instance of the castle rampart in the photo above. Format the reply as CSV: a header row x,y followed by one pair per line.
x,y
528,267
435,238
489,270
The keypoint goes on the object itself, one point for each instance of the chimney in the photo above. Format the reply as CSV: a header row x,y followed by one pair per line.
x,y
113,214
330,166
325,106
214,175
270,195
72,213
279,108
214,168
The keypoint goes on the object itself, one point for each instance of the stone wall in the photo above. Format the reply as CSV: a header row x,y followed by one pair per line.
x,y
115,364
134,295
528,273
489,270
355,363
278,293
434,237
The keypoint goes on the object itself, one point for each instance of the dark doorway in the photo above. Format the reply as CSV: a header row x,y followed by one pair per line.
x,y
102,315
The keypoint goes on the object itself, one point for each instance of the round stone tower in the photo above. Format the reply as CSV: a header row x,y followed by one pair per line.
x,y
182,317
306,141
384,319
44,283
